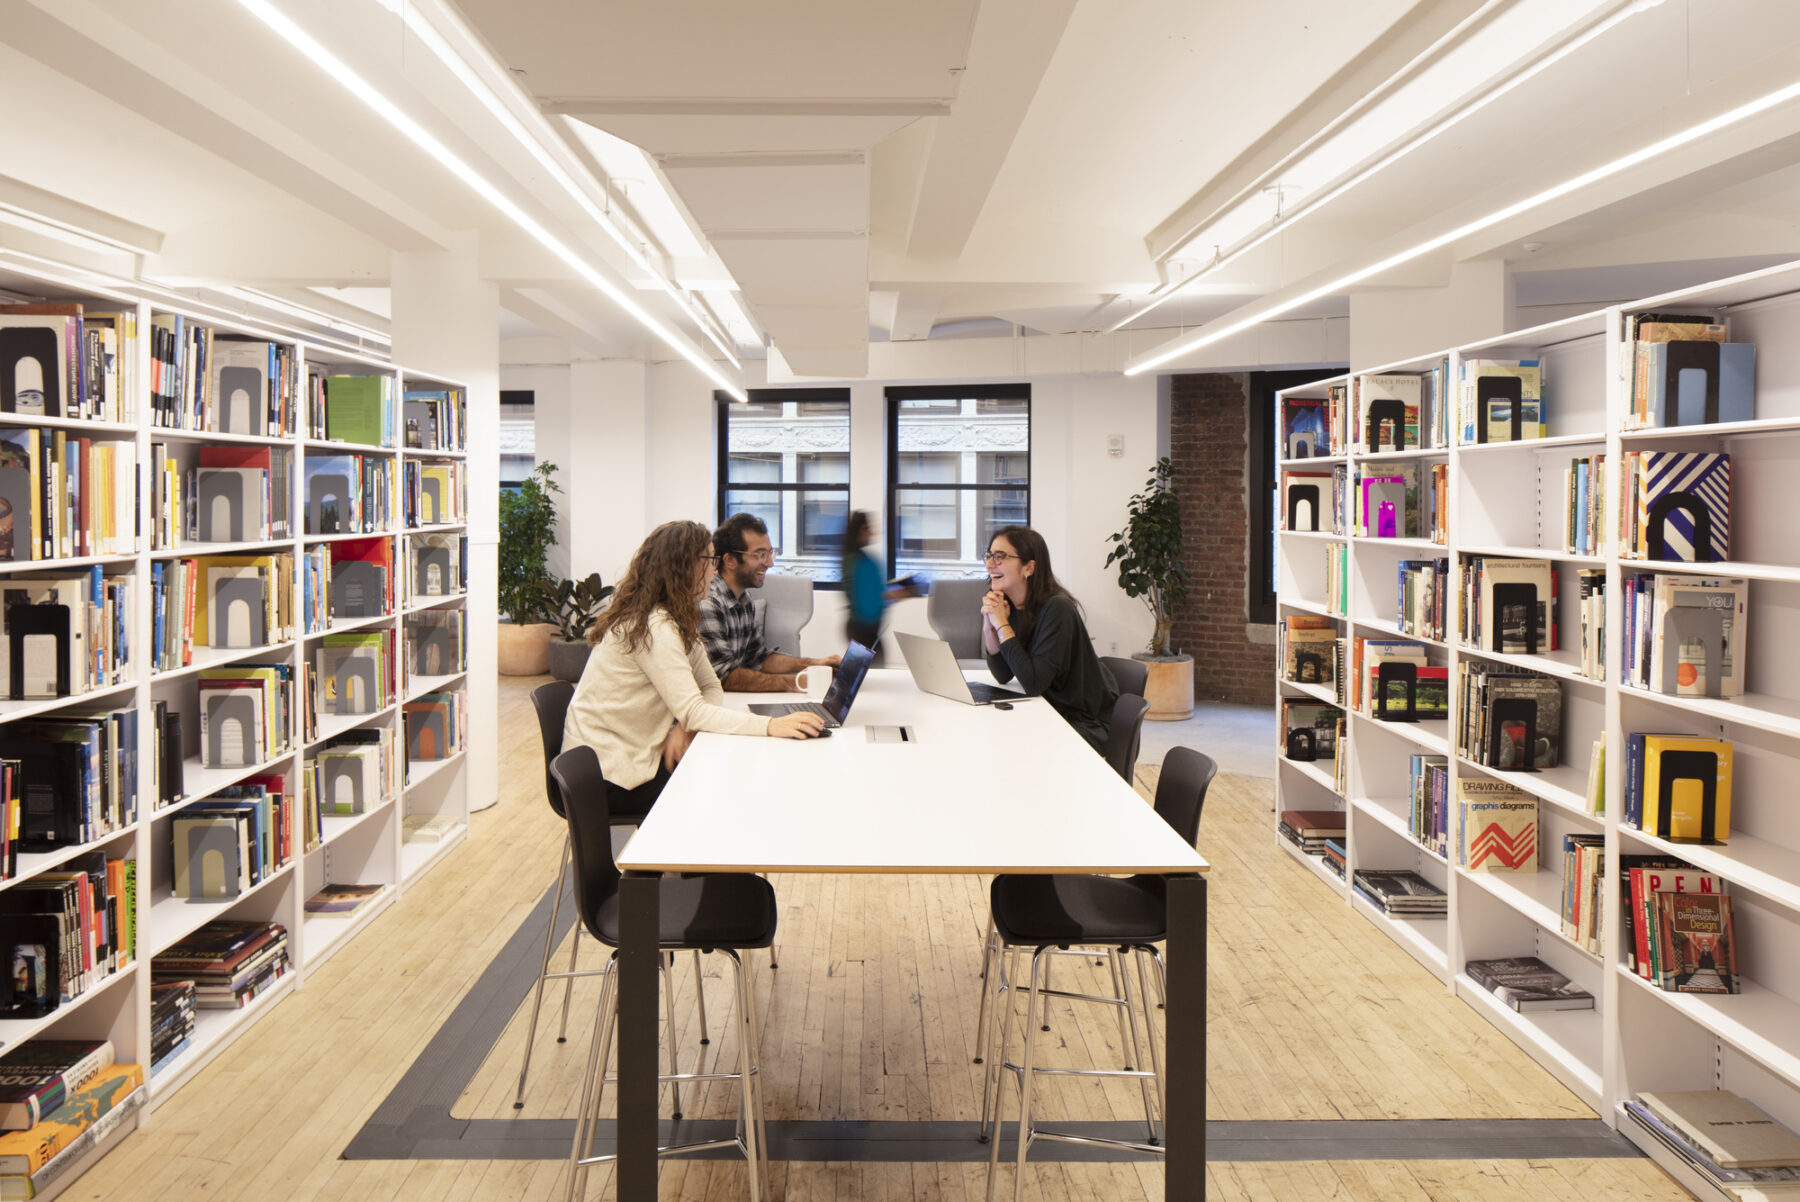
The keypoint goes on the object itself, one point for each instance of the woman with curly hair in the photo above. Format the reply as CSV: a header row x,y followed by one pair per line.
x,y
648,687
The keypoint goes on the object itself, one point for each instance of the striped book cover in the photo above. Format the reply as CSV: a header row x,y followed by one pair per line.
x,y
1674,489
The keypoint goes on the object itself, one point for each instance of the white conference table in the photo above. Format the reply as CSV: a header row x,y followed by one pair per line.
x,y
974,790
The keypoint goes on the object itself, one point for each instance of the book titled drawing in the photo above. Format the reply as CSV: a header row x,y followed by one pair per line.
x,y
1496,826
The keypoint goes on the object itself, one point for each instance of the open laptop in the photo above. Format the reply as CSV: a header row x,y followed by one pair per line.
x,y
844,685
935,670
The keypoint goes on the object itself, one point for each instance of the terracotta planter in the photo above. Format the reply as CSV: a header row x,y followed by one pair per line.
x,y
1170,687
524,650
567,659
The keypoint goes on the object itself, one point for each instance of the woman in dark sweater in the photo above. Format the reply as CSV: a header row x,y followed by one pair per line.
x,y
1032,630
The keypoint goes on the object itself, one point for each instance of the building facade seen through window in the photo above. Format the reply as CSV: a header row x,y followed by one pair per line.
x,y
960,469
518,435
785,457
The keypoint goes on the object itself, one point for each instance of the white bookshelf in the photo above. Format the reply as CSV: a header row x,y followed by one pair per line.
x,y
1504,499
364,848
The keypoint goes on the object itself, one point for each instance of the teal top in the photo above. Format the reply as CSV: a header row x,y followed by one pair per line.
x,y
866,591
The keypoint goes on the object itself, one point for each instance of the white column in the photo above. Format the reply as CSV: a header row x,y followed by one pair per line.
x,y
605,465
446,321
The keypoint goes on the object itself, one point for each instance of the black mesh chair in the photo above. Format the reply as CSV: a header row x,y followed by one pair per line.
x,y
1128,674
729,913
1130,914
1125,734
551,701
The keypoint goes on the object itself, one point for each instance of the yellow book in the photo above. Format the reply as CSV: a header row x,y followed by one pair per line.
x,y
1695,775
25,1152
202,602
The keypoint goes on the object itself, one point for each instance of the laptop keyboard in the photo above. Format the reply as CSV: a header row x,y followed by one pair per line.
x,y
989,692
777,709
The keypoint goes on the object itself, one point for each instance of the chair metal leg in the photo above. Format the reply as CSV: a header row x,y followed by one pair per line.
x,y
1137,1054
1040,973
592,1085
562,1034
995,1077
700,995
753,1041
746,1086
668,985
537,999
987,959
1112,962
1162,1085
1161,977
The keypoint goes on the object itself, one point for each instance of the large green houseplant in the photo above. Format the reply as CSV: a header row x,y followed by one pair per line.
x,y
1149,554
527,532
573,605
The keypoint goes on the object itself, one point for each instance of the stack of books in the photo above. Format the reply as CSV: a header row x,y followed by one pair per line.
x,y
427,828
342,899
1400,893
1526,983
172,1005
230,962
1335,857
1310,829
73,1098
1724,1138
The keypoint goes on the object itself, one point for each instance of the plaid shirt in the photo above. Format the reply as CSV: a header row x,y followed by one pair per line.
x,y
732,628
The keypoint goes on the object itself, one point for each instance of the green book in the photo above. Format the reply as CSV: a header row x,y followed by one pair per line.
x,y
353,409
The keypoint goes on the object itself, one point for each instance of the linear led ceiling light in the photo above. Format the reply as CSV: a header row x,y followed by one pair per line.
x,y
485,93
1206,337
1243,213
341,72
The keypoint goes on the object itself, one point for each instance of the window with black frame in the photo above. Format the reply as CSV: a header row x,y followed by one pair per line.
x,y
784,456
959,468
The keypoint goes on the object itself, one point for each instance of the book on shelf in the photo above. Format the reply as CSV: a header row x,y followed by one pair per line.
x,y
211,855
1309,829
1428,789
427,828
65,361
436,725
1309,649
1745,1184
251,387
1305,428
1584,505
65,634
1501,400
1496,826
1590,601
1400,892
12,812
1382,509
230,961
1509,717
38,1076
1676,506
170,753
73,1156
439,564
353,673
1307,502
435,642
348,494
240,494
64,933
354,773
1527,984
1387,674
1422,603
433,494
1310,729
1685,371
65,494
1678,787
1509,605
434,418
246,713
1729,1130
342,899
1596,781
1337,577
1389,407
358,409
172,1017
24,1153
79,775
362,578
1685,634
1335,857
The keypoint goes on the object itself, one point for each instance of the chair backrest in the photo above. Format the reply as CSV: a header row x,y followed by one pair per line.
x,y
1181,789
1124,733
576,774
1128,674
552,704
790,608
953,607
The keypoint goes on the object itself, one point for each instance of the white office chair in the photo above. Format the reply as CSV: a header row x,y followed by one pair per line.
x,y
789,601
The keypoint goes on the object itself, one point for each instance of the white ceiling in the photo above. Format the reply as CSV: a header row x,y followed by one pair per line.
x,y
900,168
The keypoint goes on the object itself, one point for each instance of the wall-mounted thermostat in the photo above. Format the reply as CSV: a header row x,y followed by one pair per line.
x,y
1115,445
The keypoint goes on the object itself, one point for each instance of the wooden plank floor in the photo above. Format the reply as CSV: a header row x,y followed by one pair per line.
x,y
871,1016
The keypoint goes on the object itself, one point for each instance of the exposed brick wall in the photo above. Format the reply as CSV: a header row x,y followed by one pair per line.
x,y
1209,443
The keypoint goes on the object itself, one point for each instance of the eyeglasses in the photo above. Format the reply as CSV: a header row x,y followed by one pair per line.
x,y
999,557
714,560
761,555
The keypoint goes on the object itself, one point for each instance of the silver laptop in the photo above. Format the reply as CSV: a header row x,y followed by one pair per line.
x,y
851,671
935,670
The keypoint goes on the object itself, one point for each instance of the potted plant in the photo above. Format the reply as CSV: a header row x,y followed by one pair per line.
x,y
573,605
527,531
1148,552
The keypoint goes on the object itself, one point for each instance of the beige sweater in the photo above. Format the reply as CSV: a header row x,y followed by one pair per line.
x,y
625,703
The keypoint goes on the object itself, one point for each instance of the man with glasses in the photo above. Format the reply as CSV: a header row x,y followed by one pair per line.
x,y
731,623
